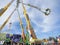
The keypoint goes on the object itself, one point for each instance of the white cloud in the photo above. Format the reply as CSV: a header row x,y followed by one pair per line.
x,y
48,21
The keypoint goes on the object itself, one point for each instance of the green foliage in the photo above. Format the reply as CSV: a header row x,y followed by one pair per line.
x,y
7,40
2,36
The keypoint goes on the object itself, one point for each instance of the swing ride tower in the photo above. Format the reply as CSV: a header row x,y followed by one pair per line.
x,y
29,27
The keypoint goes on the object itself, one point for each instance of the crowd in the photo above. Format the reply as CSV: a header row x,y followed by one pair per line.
x,y
17,38
51,41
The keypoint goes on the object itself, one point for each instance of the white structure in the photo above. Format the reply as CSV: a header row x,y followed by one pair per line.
x,y
1,42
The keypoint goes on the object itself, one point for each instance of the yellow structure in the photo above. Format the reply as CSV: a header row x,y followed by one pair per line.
x,y
30,29
29,24
1,27
5,8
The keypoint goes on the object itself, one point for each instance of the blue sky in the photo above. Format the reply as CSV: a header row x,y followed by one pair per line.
x,y
44,26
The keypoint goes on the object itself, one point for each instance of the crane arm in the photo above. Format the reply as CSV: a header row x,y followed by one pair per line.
x,y
46,12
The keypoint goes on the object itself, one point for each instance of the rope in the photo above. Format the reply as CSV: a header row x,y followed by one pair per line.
x,y
32,6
